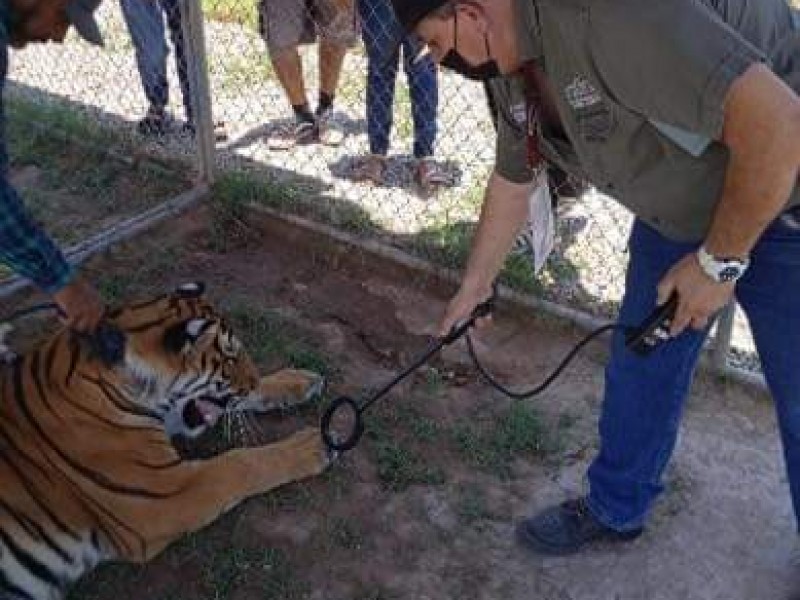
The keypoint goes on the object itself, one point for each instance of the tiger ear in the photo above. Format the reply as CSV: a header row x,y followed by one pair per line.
x,y
190,336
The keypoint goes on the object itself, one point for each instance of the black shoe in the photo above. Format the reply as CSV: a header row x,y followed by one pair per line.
x,y
154,123
567,528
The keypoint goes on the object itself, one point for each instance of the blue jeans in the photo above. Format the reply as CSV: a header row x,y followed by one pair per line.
x,y
145,22
644,396
383,38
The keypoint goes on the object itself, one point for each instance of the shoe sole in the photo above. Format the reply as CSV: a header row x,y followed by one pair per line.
x,y
531,542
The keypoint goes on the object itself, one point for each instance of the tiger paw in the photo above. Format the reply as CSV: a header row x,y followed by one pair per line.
x,y
289,388
315,449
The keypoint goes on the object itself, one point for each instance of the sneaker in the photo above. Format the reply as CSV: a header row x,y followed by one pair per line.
x,y
330,131
431,175
154,123
300,132
567,529
369,169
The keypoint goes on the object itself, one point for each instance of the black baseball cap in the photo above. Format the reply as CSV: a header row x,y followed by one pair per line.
x,y
411,12
81,16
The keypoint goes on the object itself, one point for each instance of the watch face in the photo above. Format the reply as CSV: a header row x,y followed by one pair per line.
x,y
729,273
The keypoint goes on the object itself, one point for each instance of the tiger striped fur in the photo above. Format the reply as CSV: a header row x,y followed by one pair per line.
x,y
87,469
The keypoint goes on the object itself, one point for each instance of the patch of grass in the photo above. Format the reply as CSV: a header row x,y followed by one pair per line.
x,y
470,505
446,245
272,340
434,382
141,282
239,188
249,70
344,533
243,188
37,130
492,446
73,183
232,11
269,569
399,467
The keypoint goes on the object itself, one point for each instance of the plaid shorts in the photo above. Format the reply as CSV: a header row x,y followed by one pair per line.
x,y
287,24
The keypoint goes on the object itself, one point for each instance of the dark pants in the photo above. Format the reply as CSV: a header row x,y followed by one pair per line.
x,y
383,38
145,21
644,396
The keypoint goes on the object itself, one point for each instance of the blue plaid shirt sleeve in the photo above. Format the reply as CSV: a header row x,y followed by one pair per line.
x,y
25,247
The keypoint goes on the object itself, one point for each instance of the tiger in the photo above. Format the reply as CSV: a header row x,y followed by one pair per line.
x,y
88,469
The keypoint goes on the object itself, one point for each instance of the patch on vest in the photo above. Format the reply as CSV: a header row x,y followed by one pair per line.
x,y
593,114
581,94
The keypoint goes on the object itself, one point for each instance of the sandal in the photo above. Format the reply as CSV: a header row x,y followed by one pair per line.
x,y
369,169
430,174
330,132
301,132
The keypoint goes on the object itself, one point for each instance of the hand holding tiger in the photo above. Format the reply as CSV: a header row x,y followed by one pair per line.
x,y
81,305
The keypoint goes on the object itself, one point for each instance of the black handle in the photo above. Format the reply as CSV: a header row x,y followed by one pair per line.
x,y
484,309
342,403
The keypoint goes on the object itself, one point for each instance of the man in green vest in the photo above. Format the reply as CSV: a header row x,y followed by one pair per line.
x,y
686,112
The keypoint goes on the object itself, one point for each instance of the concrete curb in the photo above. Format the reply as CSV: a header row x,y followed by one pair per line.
x,y
518,300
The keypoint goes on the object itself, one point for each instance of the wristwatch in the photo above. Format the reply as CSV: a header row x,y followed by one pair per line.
x,y
721,269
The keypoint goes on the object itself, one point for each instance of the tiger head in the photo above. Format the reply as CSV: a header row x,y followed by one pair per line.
x,y
180,359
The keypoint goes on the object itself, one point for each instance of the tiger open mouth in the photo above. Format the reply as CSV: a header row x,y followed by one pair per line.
x,y
204,411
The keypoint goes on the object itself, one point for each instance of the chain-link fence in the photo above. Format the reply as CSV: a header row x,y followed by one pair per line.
x,y
87,153
320,108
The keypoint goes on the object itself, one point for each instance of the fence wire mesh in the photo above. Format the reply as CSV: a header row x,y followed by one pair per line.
x,y
320,108
431,131
78,152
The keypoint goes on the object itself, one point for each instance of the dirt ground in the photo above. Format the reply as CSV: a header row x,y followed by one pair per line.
x,y
425,507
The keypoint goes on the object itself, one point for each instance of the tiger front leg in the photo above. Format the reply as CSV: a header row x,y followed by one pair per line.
x,y
288,388
210,488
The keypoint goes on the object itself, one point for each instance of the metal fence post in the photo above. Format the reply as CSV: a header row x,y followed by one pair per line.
x,y
200,89
722,339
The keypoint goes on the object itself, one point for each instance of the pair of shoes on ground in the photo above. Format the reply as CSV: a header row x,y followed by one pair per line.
x,y
568,528
309,129
158,123
371,169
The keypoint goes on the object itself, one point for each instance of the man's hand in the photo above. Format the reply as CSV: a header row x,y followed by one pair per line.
x,y
699,297
81,305
461,307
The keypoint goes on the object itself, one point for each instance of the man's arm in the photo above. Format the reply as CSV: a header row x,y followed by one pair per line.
x,y
504,211
762,132
32,254
26,248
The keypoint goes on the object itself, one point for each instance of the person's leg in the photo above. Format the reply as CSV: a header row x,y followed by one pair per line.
x,y
381,35
769,293
172,12
421,73
644,397
285,25
422,78
336,24
145,23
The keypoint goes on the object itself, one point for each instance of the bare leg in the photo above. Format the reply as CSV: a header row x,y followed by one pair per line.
x,y
289,69
331,57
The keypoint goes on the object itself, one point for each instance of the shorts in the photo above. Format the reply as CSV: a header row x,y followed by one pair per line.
x,y
286,24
